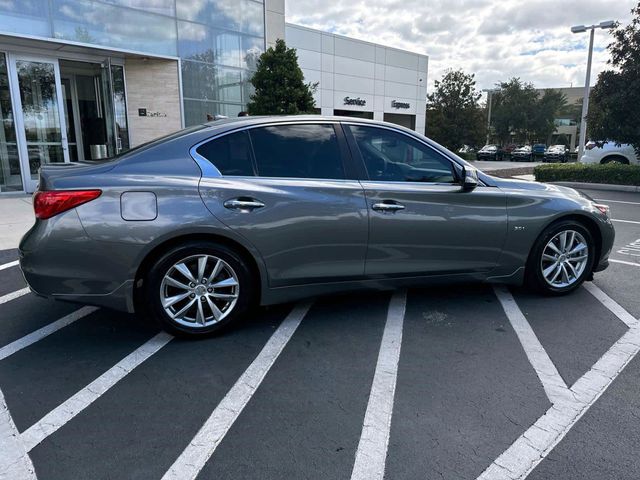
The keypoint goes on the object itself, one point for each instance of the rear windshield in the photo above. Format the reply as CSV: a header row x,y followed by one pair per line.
x,y
149,144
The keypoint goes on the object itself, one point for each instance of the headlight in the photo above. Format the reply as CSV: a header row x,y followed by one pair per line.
x,y
604,209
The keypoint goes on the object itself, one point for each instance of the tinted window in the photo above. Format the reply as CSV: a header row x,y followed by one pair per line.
x,y
230,154
297,151
394,157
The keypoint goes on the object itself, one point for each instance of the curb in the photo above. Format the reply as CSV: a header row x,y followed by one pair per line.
x,y
600,186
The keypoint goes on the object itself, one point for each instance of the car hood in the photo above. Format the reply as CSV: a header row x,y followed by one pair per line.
x,y
513,184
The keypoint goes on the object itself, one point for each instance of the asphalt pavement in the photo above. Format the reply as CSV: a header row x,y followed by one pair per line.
x,y
458,382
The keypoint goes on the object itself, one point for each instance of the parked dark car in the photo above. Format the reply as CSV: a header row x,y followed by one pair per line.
x,y
538,149
489,152
194,228
521,154
556,153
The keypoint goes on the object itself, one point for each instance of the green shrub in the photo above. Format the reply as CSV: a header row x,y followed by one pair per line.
x,y
613,173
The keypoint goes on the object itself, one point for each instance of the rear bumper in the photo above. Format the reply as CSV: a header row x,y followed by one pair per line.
x,y
58,260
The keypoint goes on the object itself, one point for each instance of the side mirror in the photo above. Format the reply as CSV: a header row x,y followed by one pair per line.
x,y
469,179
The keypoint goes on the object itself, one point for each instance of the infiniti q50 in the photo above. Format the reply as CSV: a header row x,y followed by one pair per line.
x,y
195,228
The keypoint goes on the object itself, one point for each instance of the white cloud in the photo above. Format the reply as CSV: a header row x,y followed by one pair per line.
x,y
495,39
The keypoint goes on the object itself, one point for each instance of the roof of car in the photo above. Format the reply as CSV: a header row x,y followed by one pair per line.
x,y
259,119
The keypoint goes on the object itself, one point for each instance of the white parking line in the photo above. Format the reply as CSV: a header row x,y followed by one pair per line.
x,y
625,221
535,444
553,384
9,265
624,316
43,332
372,449
63,413
197,453
15,463
616,201
13,295
625,263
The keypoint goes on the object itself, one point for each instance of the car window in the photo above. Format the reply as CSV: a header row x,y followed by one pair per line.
x,y
297,151
230,154
394,157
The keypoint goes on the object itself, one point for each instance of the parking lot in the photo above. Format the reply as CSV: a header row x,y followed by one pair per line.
x,y
454,382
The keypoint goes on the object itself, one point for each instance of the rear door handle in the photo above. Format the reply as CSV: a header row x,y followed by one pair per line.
x,y
246,204
387,206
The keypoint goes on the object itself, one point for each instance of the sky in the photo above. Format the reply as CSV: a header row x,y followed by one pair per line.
x,y
494,39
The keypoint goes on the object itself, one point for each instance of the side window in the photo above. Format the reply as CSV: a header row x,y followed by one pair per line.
x,y
394,157
230,154
297,151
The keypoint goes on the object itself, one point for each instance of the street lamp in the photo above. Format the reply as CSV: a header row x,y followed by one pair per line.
x,y
489,92
585,101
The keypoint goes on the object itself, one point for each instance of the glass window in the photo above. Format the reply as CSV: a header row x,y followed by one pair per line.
x,y
394,157
208,82
198,111
247,87
245,16
204,44
120,108
164,7
210,12
10,178
103,24
252,48
297,151
252,18
230,154
25,16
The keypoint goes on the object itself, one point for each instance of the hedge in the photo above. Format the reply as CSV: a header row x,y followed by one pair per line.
x,y
613,173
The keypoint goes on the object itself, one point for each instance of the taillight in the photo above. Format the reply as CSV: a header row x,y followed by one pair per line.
x,y
47,204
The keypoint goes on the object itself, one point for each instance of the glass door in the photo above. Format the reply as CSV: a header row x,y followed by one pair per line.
x,y
39,115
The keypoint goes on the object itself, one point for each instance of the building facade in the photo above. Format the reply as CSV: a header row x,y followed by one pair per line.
x,y
362,79
567,121
87,79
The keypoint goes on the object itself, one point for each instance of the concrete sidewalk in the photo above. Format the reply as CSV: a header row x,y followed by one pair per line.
x,y
16,217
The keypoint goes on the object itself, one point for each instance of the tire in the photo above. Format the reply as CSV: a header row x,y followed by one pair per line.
x,y
537,265
232,296
615,159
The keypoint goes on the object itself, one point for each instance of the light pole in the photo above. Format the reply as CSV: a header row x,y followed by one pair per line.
x,y
585,100
489,92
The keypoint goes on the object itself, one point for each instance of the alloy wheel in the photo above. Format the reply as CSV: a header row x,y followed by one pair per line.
x,y
564,258
199,291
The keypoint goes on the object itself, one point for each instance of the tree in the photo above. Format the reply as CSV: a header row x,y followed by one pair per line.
x,y
520,112
279,84
454,117
543,120
614,113
513,110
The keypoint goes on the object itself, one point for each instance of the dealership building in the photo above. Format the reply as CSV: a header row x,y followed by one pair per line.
x,y
87,79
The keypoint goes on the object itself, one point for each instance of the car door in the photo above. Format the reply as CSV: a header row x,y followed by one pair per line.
x,y
284,188
420,220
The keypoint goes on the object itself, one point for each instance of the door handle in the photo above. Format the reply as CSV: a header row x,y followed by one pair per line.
x,y
387,206
243,204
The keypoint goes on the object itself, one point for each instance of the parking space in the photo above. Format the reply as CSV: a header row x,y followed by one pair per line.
x,y
454,382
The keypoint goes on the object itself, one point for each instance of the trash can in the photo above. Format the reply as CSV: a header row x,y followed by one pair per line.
x,y
98,151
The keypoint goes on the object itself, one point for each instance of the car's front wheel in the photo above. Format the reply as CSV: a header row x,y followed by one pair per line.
x,y
197,289
562,258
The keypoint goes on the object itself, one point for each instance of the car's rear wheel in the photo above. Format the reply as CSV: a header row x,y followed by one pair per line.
x,y
561,259
615,159
198,289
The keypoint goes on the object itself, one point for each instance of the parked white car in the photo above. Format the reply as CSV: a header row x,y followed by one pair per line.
x,y
607,152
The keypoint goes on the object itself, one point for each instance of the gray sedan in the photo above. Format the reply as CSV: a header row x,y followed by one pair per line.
x,y
195,228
